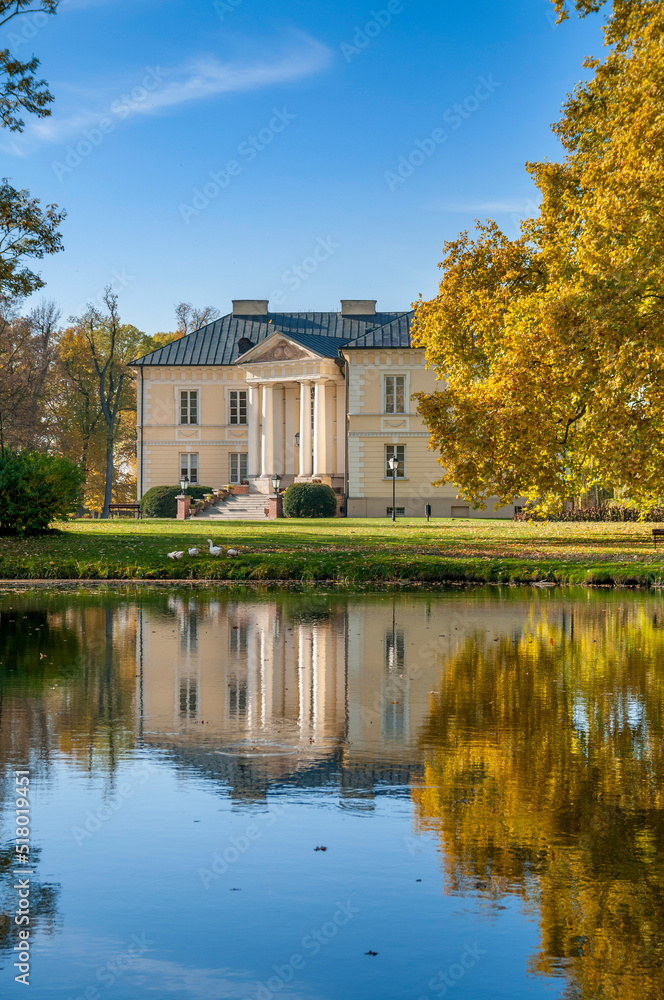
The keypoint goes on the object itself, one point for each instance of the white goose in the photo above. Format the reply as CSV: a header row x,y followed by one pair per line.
x,y
232,552
193,552
175,555
215,550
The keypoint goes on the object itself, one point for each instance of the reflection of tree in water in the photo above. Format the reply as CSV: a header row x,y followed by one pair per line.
x,y
43,900
66,685
544,774
68,668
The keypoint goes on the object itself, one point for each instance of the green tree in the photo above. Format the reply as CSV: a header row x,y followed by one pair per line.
x,y
19,89
27,231
551,347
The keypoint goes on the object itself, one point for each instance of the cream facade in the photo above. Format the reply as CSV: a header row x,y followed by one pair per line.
x,y
305,396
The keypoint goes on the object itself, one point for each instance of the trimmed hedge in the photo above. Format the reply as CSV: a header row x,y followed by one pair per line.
x,y
160,500
310,500
598,512
36,489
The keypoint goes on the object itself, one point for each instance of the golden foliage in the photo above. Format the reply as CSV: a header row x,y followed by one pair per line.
x,y
544,778
552,346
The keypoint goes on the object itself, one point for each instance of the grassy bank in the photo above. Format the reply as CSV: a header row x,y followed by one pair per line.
x,y
343,551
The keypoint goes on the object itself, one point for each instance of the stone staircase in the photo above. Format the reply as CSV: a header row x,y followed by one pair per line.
x,y
242,507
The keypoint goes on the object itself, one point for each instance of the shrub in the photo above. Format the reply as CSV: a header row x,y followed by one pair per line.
x,y
36,489
160,500
596,512
310,500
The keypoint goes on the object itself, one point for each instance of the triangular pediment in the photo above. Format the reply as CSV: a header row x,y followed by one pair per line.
x,y
278,347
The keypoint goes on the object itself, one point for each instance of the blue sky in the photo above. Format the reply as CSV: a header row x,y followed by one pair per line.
x,y
299,150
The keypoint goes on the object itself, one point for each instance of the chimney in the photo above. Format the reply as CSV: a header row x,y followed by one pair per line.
x,y
358,307
250,307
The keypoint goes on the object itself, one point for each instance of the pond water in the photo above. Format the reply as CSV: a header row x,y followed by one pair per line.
x,y
258,795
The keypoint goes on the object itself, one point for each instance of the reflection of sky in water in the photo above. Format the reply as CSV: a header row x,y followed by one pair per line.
x,y
479,779
629,712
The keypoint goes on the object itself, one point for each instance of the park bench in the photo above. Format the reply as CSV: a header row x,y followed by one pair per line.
x,y
113,508
657,535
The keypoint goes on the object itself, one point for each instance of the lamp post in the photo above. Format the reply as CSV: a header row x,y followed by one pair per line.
x,y
184,482
276,482
393,465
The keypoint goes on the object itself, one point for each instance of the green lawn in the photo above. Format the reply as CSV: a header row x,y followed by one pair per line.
x,y
343,551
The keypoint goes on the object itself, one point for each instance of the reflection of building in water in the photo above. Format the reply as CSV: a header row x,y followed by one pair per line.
x,y
340,687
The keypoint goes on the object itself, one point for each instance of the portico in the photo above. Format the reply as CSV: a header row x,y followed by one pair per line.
x,y
296,414
325,396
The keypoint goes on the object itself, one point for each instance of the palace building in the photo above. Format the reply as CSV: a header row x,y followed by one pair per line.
x,y
308,396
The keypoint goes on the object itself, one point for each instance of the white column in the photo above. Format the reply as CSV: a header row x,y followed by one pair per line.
x,y
253,676
341,429
290,428
267,443
305,670
266,663
321,431
306,455
254,418
278,443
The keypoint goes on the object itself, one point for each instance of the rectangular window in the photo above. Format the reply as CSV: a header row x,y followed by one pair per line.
x,y
237,697
238,472
395,650
397,451
189,467
188,697
401,512
189,633
238,399
395,394
189,406
238,639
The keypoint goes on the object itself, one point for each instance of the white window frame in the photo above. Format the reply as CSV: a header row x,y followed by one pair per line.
x,y
186,407
392,451
235,458
395,376
187,466
238,408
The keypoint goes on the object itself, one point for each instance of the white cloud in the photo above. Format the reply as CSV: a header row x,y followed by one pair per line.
x,y
156,89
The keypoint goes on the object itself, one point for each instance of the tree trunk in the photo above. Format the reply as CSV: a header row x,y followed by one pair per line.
x,y
108,485
84,467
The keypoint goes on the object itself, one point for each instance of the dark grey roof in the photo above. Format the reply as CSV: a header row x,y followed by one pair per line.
x,y
394,334
217,343
327,347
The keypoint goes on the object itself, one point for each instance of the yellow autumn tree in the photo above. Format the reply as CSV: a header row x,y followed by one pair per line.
x,y
96,403
551,347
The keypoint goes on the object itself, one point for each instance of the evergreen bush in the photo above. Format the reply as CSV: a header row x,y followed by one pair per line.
x,y
160,500
310,500
36,489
